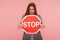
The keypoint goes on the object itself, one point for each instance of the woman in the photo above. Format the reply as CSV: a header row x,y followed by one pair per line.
x,y
31,10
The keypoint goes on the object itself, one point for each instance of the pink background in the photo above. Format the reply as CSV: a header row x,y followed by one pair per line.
x,y
11,12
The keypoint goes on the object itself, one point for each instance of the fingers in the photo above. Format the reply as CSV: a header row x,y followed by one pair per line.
x,y
42,25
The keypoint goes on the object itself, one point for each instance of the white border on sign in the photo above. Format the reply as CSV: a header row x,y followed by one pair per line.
x,y
40,24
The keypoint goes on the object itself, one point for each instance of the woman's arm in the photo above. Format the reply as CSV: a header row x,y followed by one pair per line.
x,y
20,23
42,24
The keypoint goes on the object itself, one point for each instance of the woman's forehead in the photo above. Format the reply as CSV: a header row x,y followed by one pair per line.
x,y
31,7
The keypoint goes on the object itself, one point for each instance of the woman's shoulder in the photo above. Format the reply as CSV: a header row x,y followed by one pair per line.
x,y
23,16
40,18
38,15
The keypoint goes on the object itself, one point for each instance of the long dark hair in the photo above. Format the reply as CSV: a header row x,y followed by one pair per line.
x,y
33,5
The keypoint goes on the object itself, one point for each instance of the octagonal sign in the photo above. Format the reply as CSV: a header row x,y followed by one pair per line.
x,y
31,24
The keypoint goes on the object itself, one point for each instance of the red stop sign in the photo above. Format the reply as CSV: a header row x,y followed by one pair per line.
x,y
31,24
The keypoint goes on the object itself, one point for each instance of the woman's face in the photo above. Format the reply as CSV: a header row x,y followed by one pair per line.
x,y
31,10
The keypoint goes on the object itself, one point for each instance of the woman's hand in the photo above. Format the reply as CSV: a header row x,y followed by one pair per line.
x,y
42,25
20,25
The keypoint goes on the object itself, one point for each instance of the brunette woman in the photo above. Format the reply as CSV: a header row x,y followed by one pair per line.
x,y
31,10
